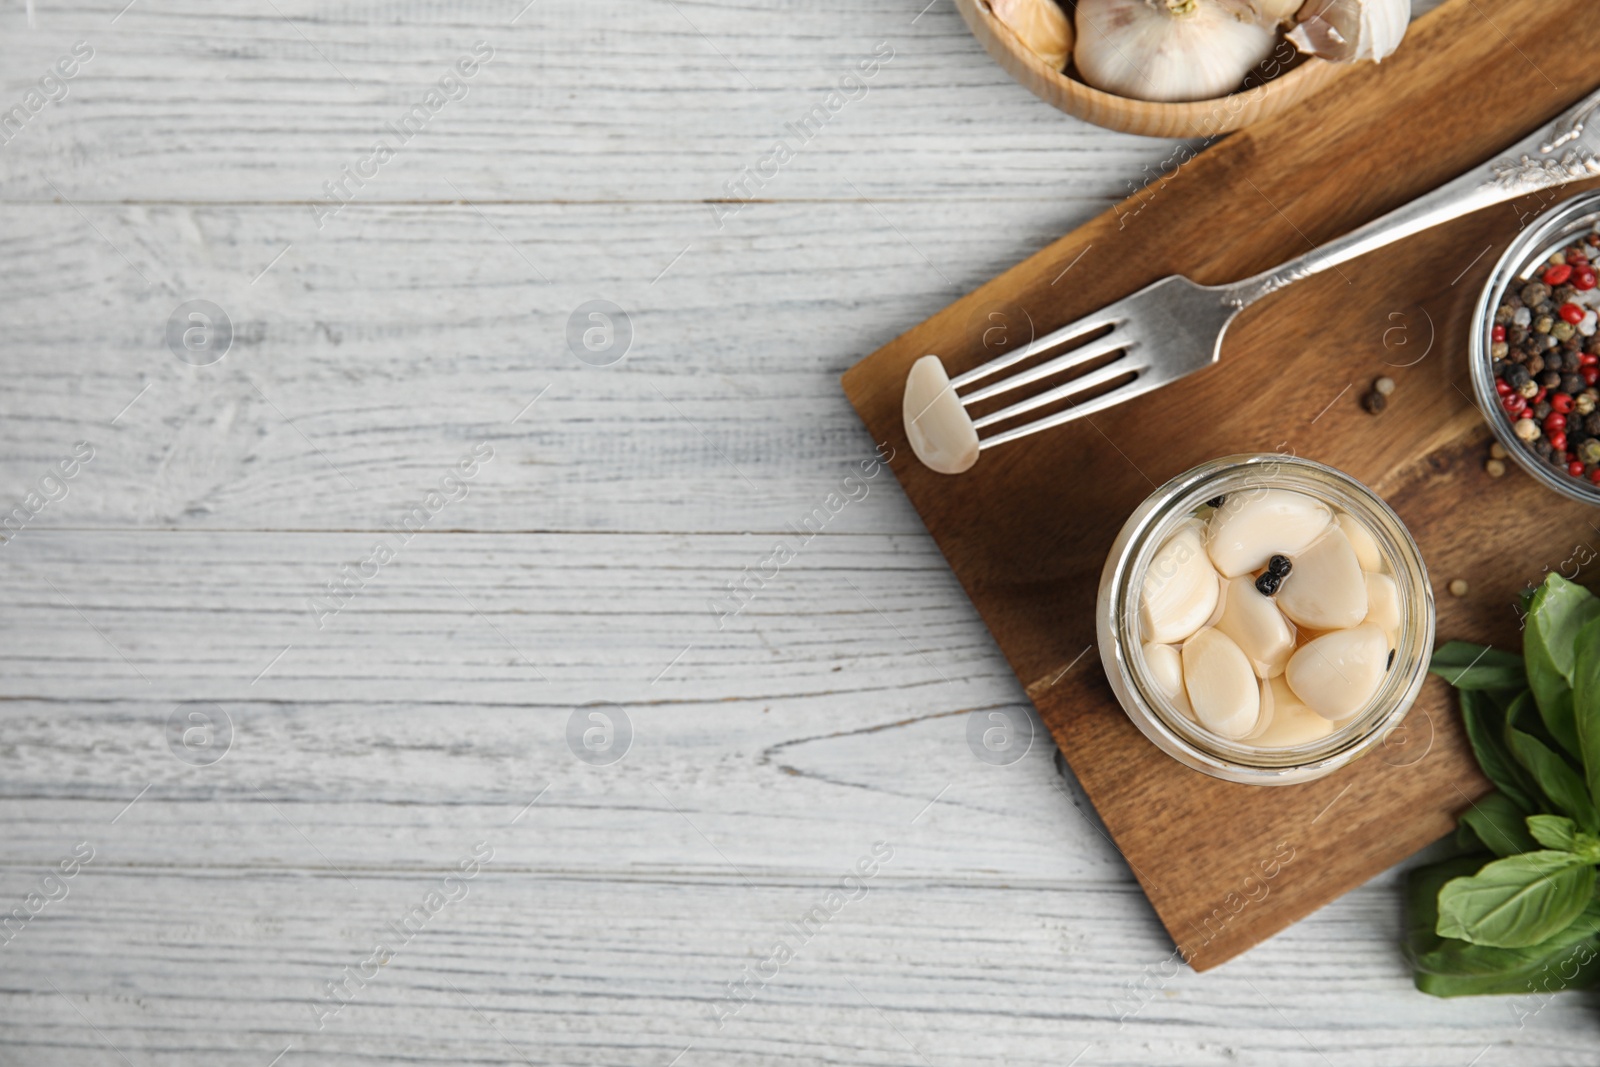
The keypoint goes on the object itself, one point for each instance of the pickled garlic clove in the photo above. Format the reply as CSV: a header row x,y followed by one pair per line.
x,y
1264,719
1254,525
1222,687
1166,670
1291,722
1180,588
1257,626
1361,539
1383,606
1326,590
939,429
1336,674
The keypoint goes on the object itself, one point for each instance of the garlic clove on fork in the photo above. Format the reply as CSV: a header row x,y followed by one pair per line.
x,y
937,425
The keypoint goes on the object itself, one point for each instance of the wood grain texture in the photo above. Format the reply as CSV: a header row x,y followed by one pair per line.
x,y
1028,540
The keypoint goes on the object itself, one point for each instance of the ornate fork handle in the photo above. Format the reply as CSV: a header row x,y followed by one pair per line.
x,y
1565,151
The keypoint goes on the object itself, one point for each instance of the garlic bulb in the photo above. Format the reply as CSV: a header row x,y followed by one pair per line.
x,y
1281,12
1041,25
1351,29
1170,50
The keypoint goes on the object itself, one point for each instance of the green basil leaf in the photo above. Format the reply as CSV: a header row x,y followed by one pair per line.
x,y
1554,831
1485,723
1517,901
1500,825
1568,960
1422,899
1469,666
1586,703
1559,610
1568,792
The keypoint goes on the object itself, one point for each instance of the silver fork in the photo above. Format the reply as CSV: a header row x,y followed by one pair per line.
x,y
1174,327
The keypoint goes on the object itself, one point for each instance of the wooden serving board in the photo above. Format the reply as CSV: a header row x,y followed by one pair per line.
x,y
1027,530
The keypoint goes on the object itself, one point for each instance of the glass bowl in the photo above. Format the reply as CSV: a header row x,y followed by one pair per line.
x,y
1551,232
1117,621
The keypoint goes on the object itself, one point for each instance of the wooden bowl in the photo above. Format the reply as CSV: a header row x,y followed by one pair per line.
x,y
1195,118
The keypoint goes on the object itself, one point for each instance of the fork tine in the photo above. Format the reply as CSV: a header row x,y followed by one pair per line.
x,y
1107,316
1111,342
1111,371
1145,382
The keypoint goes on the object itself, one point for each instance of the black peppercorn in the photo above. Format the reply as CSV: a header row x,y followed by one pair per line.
x,y
1550,379
1518,376
1540,410
1280,566
1592,422
1534,293
1267,584
1374,402
1386,666
1542,447
1216,501
1572,384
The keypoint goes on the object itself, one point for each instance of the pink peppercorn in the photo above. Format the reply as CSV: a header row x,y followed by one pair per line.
x,y
1557,274
1575,468
1560,402
1571,313
1557,439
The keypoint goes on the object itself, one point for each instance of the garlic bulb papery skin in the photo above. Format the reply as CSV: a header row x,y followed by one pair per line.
x,y
1041,25
1170,50
1348,30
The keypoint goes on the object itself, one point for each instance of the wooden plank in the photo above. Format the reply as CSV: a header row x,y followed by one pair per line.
x,y
355,357
613,100
1029,542
533,967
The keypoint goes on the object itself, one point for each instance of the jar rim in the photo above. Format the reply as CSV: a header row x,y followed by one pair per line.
x,y
1121,650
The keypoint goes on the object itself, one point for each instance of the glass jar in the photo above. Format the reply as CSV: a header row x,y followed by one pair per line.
x,y
1182,738
1526,256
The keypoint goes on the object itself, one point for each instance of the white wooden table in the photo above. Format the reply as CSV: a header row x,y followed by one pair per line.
x,y
169,602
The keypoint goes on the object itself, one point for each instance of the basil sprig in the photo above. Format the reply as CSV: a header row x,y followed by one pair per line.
x,y
1516,910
